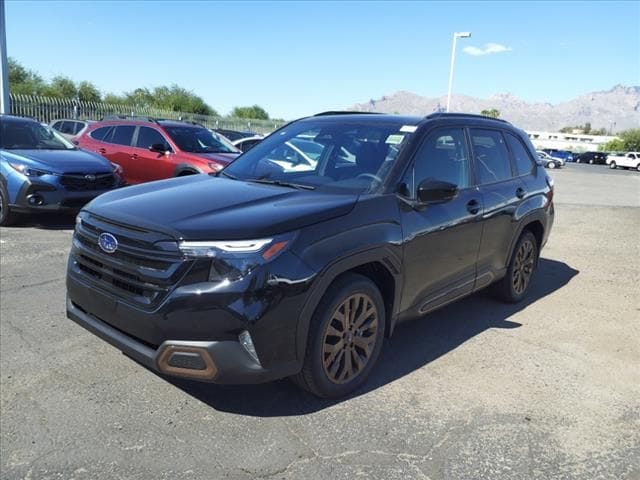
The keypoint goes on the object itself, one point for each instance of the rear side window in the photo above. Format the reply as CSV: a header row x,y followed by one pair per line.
x,y
67,127
78,126
123,135
100,133
523,161
491,155
150,136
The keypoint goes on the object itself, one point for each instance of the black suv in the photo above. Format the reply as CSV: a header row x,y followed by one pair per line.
x,y
593,158
288,263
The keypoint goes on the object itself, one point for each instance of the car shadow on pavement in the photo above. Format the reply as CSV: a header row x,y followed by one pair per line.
x,y
47,221
413,345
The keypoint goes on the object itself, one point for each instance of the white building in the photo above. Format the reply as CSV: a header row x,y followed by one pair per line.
x,y
568,141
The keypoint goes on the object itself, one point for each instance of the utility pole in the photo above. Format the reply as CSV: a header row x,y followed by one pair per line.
x,y
4,64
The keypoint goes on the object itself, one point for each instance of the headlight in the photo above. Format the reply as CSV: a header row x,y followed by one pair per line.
x,y
216,167
28,171
234,259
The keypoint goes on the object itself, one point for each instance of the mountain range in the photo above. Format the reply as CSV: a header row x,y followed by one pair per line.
x,y
615,109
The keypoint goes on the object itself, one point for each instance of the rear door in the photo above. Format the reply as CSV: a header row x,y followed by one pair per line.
x,y
502,192
146,165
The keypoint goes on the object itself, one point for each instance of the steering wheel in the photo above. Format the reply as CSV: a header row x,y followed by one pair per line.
x,y
371,176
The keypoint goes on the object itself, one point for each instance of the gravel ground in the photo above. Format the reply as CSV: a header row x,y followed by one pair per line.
x,y
549,389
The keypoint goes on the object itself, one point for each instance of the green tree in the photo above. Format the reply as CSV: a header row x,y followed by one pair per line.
x,y
174,98
615,145
631,139
254,112
88,92
24,81
493,113
61,87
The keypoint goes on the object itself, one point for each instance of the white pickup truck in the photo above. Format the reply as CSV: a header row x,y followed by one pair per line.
x,y
625,160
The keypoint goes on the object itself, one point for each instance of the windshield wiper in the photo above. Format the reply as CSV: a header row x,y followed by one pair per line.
x,y
281,183
222,172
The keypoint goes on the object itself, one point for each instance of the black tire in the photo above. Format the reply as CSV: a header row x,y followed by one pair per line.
x,y
184,173
315,375
522,261
7,217
591,162
612,165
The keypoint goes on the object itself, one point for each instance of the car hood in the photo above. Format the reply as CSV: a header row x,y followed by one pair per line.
x,y
61,161
201,207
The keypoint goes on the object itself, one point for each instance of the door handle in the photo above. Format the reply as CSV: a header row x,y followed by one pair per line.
x,y
520,193
473,207
102,150
134,156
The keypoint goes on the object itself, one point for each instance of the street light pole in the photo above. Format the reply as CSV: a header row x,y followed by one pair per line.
x,y
456,35
4,64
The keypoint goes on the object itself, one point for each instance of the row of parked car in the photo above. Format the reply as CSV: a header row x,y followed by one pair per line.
x,y
65,165
553,158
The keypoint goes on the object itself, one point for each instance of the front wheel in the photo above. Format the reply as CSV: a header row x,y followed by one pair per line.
x,y
345,338
551,165
524,260
612,165
591,162
638,167
7,217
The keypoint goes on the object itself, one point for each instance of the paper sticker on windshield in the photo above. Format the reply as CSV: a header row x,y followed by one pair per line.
x,y
395,139
409,128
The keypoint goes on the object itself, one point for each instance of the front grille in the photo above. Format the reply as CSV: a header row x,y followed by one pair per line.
x,y
80,182
139,272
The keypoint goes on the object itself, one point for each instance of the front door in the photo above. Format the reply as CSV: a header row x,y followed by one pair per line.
x,y
441,240
146,165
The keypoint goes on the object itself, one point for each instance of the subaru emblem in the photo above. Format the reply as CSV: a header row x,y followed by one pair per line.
x,y
90,178
107,242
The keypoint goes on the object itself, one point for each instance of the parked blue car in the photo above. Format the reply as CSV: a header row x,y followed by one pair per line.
x,y
40,171
565,155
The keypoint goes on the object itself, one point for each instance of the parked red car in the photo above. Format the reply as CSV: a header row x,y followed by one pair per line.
x,y
149,149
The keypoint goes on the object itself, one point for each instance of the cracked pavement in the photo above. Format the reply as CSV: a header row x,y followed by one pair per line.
x,y
549,389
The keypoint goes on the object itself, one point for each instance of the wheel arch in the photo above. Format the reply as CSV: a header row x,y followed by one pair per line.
x,y
380,265
186,169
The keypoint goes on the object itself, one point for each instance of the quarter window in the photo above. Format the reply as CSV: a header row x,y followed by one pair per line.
x,y
523,161
123,135
491,155
444,156
150,136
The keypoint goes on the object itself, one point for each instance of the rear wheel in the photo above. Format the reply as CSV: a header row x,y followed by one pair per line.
x,y
7,217
345,338
612,165
551,165
638,167
524,260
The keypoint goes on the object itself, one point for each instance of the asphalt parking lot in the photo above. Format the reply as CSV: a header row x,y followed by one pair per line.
x,y
548,389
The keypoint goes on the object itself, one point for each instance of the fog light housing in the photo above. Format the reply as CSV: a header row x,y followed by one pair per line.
x,y
247,344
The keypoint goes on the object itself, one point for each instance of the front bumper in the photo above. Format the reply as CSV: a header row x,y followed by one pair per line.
x,y
224,362
53,195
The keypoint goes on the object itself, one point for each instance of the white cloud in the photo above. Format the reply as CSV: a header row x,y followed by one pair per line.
x,y
488,49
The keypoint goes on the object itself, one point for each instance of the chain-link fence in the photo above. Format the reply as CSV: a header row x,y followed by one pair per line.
x,y
47,109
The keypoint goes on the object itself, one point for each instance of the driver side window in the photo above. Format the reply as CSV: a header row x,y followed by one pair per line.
x,y
443,156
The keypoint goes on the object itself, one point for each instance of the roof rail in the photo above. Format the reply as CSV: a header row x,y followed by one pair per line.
x,y
466,115
138,118
344,112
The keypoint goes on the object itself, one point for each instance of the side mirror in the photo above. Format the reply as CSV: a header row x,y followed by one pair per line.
x,y
158,147
75,142
435,191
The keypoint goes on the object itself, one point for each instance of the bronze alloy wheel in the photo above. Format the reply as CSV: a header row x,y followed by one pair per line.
x,y
350,338
523,266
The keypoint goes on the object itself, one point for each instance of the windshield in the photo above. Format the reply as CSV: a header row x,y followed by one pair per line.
x,y
26,135
197,140
225,141
351,155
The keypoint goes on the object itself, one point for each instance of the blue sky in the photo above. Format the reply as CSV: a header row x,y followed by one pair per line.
x,y
298,58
